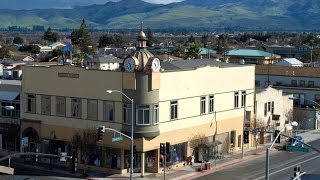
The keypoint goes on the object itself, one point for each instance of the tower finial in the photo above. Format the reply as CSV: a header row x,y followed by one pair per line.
x,y
141,26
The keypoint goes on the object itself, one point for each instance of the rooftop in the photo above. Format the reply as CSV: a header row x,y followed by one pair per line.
x,y
250,53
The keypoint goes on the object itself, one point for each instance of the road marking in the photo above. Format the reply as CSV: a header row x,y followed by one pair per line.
x,y
288,167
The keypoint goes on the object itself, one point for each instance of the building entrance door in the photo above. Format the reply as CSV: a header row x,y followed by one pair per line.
x,y
137,162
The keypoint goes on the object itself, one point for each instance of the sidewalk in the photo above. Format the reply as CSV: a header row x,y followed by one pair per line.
x,y
186,172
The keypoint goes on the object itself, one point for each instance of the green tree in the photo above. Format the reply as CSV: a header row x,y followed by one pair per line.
x,y
149,35
191,39
33,49
223,46
18,40
4,53
192,52
81,38
51,36
105,40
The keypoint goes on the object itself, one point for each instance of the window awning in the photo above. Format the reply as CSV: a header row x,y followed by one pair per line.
x,y
8,95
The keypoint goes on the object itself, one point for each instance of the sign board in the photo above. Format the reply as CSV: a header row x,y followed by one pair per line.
x,y
25,142
119,138
63,159
299,149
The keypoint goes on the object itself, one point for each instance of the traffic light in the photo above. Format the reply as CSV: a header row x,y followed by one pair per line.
x,y
99,133
134,149
162,148
245,136
276,132
167,148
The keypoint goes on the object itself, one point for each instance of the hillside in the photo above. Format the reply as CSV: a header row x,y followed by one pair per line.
x,y
209,14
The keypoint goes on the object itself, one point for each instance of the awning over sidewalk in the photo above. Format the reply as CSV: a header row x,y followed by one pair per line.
x,y
8,95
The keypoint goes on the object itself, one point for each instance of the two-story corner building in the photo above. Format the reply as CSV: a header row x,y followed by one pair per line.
x,y
273,111
302,82
174,102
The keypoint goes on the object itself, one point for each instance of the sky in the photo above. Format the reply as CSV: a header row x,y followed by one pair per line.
x,y
65,4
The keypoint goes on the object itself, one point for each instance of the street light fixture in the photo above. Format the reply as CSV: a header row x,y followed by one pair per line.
x,y
293,123
132,114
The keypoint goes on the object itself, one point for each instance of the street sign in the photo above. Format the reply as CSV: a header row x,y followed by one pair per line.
x,y
299,149
24,141
119,138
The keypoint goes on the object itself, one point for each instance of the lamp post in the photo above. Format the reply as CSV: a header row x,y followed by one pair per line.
x,y
132,114
293,123
244,120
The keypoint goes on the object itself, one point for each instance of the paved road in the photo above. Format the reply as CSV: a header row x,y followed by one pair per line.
x,y
281,166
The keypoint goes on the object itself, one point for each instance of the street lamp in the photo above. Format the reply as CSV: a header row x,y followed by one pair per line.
x,y
132,114
293,123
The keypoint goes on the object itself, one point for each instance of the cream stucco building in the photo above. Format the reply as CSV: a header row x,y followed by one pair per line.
x,y
175,104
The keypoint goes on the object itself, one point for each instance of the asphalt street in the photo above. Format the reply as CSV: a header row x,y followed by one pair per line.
x,y
282,164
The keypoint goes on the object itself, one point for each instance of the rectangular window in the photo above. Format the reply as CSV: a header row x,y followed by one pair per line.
x,y
127,113
31,103
156,114
236,99
294,82
272,107
76,107
302,83
203,105
310,83
108,110
174,110
60,106
14,113
243,98
211,104
92,109
265,109
143,115
46,105
269,106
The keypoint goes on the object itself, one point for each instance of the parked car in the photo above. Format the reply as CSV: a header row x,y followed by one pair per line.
x,y
295,141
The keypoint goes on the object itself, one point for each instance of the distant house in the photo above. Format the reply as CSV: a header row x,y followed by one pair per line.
x,y
51,47
22,58
290,62
207,53
287,50
251,56
108,62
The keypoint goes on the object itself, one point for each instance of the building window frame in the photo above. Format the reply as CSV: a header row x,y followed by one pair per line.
x,y
272,107
269,106
310,83
243,98
156,114
143,115
302,83
236,99
45,105
60,106
92,109
203,105
76,107
173,110
211,103
127,113
31,103
294,83
108,111
265,109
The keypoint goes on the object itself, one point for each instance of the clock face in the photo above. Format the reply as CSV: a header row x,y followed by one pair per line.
x,y
155,64
129,64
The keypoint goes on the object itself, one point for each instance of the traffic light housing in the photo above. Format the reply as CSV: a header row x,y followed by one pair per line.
x,y
167,148
134,149
245,136
162,148
99,133
276,132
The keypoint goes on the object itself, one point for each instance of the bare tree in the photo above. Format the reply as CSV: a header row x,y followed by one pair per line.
x,y
259,126
199,142
299,116
84,140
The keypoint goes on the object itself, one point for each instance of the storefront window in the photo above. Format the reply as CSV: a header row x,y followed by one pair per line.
x,y
178,153
111,158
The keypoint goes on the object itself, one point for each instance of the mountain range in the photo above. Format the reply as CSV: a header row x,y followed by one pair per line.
x,y
288,15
